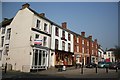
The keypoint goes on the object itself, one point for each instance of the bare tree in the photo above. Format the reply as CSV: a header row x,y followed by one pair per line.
x,y
117,52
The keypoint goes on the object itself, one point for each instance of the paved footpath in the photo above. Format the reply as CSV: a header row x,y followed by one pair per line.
x,y
69,73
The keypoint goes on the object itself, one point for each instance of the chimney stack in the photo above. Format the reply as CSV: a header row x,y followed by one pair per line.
x,y
26,5
64,25
83,34
90,37
42,14
95,40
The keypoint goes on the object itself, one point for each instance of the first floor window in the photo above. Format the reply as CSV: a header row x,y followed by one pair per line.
x,y
56,43
44,41
63,45
69,47
77,48
36,36
83,50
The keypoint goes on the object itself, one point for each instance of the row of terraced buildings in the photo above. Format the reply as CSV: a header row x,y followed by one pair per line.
x,y
30,41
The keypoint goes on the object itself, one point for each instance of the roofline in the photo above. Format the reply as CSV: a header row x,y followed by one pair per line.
x,y
53,23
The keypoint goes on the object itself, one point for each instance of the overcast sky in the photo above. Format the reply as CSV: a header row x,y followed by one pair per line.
x,y
99,19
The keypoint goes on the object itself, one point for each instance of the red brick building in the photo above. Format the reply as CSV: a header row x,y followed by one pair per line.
x,y
85,49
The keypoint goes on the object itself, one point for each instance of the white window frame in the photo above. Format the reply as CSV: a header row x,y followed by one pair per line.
x,y
8,34
46,27
77,39
82,41
82,49
87,43
77,48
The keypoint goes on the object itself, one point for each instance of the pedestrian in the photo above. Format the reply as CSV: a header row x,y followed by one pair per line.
x,y
5,67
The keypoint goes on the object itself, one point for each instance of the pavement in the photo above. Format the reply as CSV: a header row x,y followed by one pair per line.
x,y
69,73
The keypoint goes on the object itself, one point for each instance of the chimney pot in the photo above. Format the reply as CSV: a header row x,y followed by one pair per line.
x,y
42,14
26,5
64,25
83,34
95,40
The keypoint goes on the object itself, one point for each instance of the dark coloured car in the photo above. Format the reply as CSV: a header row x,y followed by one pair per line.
x,y
113,65
118,65
91,65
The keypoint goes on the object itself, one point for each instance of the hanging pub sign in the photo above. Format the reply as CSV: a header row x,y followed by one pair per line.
x,y
38,42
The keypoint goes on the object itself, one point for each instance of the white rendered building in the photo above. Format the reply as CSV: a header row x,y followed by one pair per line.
x,y
25,40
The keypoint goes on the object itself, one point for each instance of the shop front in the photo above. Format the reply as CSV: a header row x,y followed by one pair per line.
x,y
63,58
39,58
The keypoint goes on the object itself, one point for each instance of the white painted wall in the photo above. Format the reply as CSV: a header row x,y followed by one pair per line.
x,y
109,54
20,39
53,37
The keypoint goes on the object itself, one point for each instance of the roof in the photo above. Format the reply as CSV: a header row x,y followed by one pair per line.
x,y
50,21
56,24
6,22
111,49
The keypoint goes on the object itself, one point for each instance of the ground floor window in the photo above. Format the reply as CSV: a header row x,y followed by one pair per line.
x,y
66,58
39,57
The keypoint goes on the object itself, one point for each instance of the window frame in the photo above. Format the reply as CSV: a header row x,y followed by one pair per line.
x,y
63,45
69,36
38,24
8,34
45,27
56,44
69,47
44,41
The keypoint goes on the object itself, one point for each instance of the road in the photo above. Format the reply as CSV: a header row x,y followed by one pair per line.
x,y
69,73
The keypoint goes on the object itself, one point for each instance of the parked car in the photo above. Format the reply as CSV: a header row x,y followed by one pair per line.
x,y
113,65
103,64
118,65
91,65
107,64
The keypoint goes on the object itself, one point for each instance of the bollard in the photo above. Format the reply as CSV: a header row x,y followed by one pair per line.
x,y
106,69
96,69
6,68
116,69
82,69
